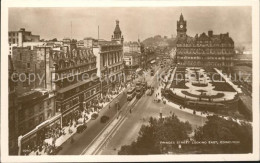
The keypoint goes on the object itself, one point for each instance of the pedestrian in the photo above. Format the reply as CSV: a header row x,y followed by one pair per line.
x,y
109,106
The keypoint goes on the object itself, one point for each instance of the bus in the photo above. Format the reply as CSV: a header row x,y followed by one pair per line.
x,y
131,93
138,83
152,72
139,92
144,85
162,65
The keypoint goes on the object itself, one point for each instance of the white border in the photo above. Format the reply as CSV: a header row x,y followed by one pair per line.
x,y
109,3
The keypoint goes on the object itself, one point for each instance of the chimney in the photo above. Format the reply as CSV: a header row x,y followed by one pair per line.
x,y
227,34
210,33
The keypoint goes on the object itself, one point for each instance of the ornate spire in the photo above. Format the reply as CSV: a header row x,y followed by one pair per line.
x,y
117,34
117,29
181,17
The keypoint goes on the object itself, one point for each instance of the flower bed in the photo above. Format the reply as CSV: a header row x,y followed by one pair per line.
x,y
200,84
179,84
219,95
223,86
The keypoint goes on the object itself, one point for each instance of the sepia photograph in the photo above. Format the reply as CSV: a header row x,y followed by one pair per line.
x,y
130,79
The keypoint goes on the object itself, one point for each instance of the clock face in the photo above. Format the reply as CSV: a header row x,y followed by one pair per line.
x,y
181,26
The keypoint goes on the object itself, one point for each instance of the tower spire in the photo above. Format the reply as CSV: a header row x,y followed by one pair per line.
x,y
181,17
117,34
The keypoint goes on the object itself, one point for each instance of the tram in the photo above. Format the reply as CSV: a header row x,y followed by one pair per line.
x,y
131,93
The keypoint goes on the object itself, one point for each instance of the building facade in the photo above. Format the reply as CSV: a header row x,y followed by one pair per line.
x,y
204,50
132,47
33,101
132,56
53,83
90,42
22,38
110,65
18,37
75,81
132,61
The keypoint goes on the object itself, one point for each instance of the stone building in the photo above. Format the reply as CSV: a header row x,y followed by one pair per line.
x,y
132,56
132,61
53,83
132,47
22,38
110,66
204,50
18,37
74,81
12,105
32,100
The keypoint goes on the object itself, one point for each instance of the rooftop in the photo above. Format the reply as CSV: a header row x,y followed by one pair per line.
x,y
29,97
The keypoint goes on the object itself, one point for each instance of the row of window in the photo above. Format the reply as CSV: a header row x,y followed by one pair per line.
x,y
211,51
14,40
76,71
205,45
71,103
111,58
91,92
216,58
110,48
75,54
115,69
76,101
13,34
205,64
72,64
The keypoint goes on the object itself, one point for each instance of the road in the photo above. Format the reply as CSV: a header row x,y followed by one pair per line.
x,y
145,108
129,129
94,127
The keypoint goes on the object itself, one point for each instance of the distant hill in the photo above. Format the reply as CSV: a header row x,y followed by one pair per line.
x,y
159,41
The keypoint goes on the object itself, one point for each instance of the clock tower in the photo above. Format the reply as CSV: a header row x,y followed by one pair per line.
x,y
181,27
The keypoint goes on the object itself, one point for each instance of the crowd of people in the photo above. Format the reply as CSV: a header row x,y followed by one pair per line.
x,y
46,146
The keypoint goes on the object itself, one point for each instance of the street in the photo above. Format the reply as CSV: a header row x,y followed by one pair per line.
x,y
128,131
144,109
94,127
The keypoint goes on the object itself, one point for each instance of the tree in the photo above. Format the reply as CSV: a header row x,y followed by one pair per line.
x,y
150,136
219,129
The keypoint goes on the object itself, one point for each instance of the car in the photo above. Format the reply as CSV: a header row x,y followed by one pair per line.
x,y
81,128
94,116
104,119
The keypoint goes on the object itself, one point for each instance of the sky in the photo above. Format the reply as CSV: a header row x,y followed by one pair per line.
x,y
144,22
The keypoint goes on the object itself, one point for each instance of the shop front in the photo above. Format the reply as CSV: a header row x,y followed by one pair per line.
x,y
69,116
91,104
35,138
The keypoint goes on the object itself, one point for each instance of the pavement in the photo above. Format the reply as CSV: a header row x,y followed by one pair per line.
x,y
94,127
